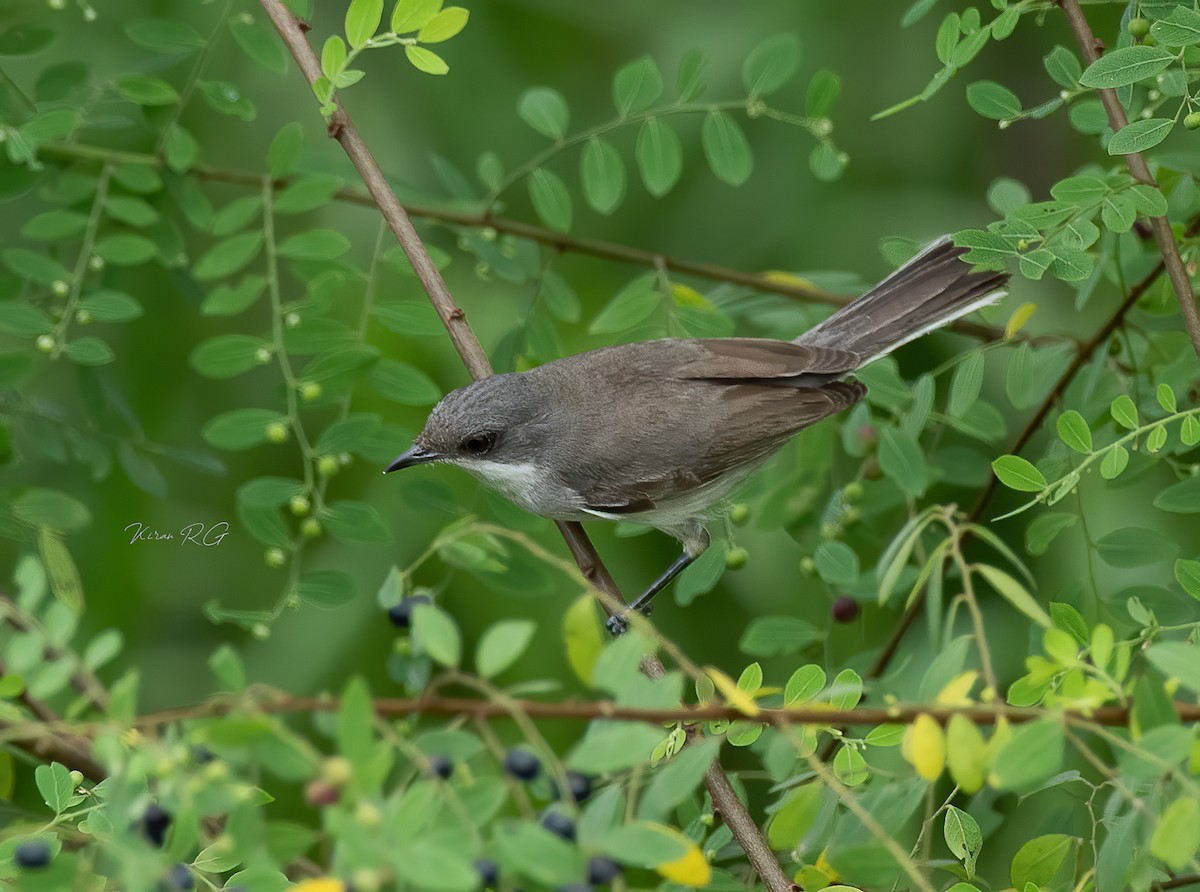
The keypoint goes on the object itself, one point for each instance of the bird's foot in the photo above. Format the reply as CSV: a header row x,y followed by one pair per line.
x,y
618,624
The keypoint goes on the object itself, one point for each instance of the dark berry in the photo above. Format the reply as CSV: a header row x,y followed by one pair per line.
x,y
155,821
401,614
320,793
602,870
180,878
580,786
845,609
202,755
441,765
522,764
32,854
559,824
489,872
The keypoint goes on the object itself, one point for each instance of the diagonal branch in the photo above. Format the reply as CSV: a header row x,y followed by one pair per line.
x,y
341,128
1161,227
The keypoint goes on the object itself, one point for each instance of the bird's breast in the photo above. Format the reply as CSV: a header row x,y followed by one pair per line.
x,y
530,487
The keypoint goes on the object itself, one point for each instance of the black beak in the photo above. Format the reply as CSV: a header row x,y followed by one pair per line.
x,y
414,456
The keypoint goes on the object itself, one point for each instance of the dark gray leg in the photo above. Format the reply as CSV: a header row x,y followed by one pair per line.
x,y
693,547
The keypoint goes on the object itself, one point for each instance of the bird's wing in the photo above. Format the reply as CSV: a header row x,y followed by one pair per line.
x,y
762,359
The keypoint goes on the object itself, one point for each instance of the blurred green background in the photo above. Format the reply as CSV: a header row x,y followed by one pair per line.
x,y
917,174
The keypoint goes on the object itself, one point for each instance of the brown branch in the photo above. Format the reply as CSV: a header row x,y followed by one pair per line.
x,y
558,240
1178,882
343,130
1161,227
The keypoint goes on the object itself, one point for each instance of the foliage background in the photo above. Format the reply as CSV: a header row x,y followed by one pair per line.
x,y
916,175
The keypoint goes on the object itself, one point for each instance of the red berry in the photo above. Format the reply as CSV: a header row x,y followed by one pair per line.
x,y
845,609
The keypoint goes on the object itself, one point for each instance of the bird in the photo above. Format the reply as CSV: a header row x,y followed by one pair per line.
x,y
661,432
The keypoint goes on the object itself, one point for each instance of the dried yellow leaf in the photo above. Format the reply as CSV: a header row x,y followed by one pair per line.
x,y
692,869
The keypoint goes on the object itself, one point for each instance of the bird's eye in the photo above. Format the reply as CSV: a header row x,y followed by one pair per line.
x,y
480,443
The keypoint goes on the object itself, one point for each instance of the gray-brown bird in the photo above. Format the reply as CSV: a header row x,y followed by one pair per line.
x,y
661,432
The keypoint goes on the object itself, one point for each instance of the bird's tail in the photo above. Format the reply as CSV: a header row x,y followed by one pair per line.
x,y
930,291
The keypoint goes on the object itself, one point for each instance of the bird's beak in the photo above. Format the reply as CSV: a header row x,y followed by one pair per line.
x,y
414,456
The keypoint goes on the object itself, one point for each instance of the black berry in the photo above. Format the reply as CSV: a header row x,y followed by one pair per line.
x,y
559,824
845,609
441,765
155,821
401,614
522,764
580,785
489,872
202,755
602,870
180,878
32,854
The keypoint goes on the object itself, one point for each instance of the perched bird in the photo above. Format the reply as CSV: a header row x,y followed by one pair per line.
x,y
660,432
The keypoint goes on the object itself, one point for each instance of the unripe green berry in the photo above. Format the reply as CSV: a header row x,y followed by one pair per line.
x,y
275,557
367,815
299,505
262,355
736,558
851,516
808,565
853,492
45,343
1139,27
327,465
311,528
96,263
277,432
309,391
739,513
261,631
828,531
76,778
291,320
60,288
337,771
83,317
1192,121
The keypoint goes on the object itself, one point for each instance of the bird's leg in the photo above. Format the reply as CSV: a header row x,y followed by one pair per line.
x,y
694,545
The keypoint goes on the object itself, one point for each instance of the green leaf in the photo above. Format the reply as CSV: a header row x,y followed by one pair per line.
x,y
35,267
659,156
285,150
226,356
603,174
1043,529
677,780
1015,593
355,722
227,257
444,25
963,838
804,684
846,690
545,111
169,36
426,60
613,746
1019,474
351,521
636,86
796,816
837,564
1038,860
502,644
1189,431
1126,65
1177,836
1180,498
270,492
1187,574
229,300
130,210
768,636
54,784
1074,431
690,77
316,244
902,461
726,149
1135,547
53,226
771,64
306,194
1140,135
404,383
1180,28
992,100
241,428
434,865
333,56
20,318
89,351
533,851
265,49
126,250
50,508
1114,462
823,91
632,304
144,90
1063,67
550,199
1033,755
413,15
325,588
966,383
1166,398
1177,660
437,634
362,21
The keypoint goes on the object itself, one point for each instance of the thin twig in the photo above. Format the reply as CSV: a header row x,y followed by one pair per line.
x,y
767,284
1160,226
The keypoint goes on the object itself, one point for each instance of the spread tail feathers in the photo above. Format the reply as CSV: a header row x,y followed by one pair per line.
x,y
930,291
